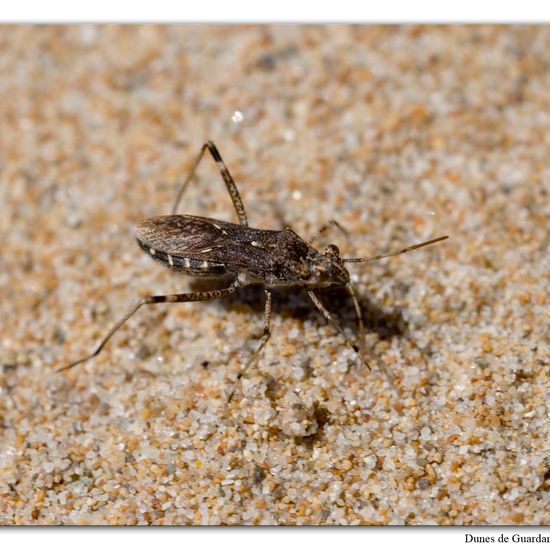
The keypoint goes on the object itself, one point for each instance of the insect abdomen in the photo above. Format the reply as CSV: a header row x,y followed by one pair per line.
x,y
189,266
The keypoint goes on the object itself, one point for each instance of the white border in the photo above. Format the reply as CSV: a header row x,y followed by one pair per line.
x,y
247,538
247,11
254,11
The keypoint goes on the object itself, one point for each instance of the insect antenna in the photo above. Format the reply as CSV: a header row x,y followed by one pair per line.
x,y
397,252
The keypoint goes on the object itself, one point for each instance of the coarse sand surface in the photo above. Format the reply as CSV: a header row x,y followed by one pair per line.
x,y
401,134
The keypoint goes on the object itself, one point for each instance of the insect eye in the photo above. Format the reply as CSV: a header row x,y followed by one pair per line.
x,y
332,250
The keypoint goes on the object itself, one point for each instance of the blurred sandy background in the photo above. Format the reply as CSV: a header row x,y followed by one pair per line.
x,y
401,134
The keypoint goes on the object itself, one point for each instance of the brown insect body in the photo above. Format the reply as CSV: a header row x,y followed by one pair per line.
x,y
208,248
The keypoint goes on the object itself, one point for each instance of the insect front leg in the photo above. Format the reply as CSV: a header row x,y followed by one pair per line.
x,y
361,325
324,228
328,316
173,298
229,183
256,354
360,349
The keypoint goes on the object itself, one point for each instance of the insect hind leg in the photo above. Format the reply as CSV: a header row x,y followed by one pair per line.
x,y
172,298
227,178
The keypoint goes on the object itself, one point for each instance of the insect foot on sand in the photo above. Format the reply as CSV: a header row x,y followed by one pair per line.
x,y
210,248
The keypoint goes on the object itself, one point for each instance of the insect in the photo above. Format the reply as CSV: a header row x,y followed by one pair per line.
x,y
209,248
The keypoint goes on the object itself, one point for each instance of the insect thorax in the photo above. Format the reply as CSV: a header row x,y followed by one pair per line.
x,y
299,264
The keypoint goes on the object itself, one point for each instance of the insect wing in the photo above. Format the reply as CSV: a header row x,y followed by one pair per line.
x,y
180,235
207,240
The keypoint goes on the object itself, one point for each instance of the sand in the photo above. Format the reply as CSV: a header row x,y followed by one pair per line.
x,y
399,133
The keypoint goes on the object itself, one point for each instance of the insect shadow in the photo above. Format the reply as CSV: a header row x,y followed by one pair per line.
x,y
291,303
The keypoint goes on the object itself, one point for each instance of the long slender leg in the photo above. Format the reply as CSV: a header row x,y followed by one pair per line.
x,y
229,183
362,332
187,297
328,316
325,227
359,314
360,350
256,354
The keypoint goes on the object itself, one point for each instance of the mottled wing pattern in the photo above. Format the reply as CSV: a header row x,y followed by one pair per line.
x,y
208,240
179,235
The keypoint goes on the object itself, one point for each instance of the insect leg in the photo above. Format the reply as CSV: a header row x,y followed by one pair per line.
x,y
325,227
359,314
361,329
229,183
328,316
265,338
187,297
